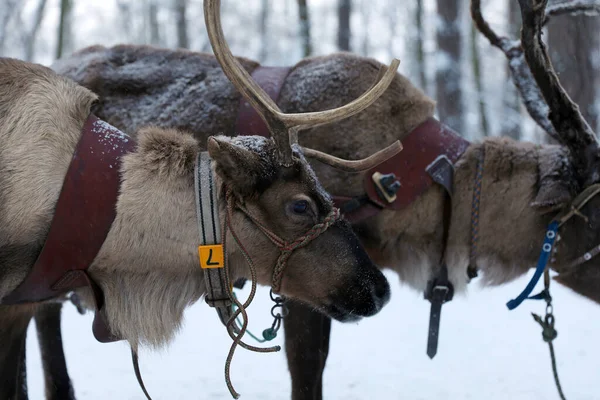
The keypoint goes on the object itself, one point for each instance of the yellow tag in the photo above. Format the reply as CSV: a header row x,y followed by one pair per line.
x,y
211,256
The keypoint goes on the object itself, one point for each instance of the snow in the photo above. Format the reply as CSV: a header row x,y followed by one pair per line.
x,y
485,352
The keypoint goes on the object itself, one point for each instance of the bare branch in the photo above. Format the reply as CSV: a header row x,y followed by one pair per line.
x,y
545,99
575,7
520,73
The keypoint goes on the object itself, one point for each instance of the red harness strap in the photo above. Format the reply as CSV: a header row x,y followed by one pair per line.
x,y
271,80
84,213
422,147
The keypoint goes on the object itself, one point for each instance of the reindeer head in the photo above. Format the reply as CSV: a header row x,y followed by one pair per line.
x,y
569,172
279,198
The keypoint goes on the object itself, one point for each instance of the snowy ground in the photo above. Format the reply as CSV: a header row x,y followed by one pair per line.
x,y
486,352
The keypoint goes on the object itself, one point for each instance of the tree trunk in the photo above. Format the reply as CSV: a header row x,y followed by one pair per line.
x,y
153,21
480,92
6,13
181,21
264,37
574,46
64,28
304,28
448,74
512,121
366,18
344,13
32,35
419,48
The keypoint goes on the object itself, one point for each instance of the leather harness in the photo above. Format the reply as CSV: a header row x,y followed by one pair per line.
x,y
84,213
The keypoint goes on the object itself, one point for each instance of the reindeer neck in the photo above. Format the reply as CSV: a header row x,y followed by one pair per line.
x,y
510,231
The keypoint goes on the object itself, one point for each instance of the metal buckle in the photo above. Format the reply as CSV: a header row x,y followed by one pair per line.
x,y
218,302
441,293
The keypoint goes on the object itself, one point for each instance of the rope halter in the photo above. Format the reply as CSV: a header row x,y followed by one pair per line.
x,y
287,248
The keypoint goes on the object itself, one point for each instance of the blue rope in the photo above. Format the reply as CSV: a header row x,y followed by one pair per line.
x,y
539,270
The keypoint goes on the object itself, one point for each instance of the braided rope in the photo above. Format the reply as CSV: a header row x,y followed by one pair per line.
x,y
475,212
286,251
241,308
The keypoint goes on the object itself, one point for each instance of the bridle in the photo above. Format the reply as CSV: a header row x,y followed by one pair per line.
x,y
286,248
214,260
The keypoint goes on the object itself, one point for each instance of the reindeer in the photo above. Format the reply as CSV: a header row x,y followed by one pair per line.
x,y
520,181
146,270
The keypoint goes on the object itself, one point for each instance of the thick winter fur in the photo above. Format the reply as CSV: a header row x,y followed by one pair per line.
x,y
522,182
148,266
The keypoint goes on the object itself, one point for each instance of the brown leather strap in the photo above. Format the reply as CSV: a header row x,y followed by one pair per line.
x,y
271,80
422,146
82,219
439,289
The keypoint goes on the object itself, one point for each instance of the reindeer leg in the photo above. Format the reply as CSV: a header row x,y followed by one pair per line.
x,y
22,373
14,321
306,346
56,377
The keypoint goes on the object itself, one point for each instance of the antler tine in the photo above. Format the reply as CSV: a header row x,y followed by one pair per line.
x,y
243,82
354,165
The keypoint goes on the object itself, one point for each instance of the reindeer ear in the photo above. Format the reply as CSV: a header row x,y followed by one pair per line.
x,y
240,168
554,190
552,195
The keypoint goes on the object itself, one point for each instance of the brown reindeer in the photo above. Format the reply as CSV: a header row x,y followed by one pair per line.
x,y
521,181
147,267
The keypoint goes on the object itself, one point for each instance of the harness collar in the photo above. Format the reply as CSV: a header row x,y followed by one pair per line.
x,y
211,252
84,212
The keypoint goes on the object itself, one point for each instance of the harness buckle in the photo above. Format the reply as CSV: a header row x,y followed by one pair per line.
x,y
218,302
439,292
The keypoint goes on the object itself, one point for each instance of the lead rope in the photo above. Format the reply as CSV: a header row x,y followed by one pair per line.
x,y
241,308
286,250
549,333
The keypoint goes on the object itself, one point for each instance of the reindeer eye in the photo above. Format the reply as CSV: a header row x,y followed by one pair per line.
x,y
300,206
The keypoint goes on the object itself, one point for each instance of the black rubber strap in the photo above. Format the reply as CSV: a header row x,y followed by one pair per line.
x,y
440,289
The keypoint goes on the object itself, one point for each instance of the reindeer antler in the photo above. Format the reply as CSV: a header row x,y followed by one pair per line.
x,y
545,99
284,127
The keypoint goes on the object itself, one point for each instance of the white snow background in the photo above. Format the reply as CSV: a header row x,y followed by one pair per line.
x,y
485,352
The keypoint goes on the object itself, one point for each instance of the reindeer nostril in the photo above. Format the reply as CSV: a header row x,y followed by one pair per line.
x,y
382,291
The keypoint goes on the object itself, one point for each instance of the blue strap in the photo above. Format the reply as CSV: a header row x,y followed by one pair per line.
x,y
541,266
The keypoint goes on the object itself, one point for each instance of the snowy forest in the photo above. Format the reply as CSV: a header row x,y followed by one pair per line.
x,y
439,48
485,351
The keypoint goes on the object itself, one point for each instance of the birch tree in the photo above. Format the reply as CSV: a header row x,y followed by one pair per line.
x,y
304,28
448,57
181,24
343,34
574,46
